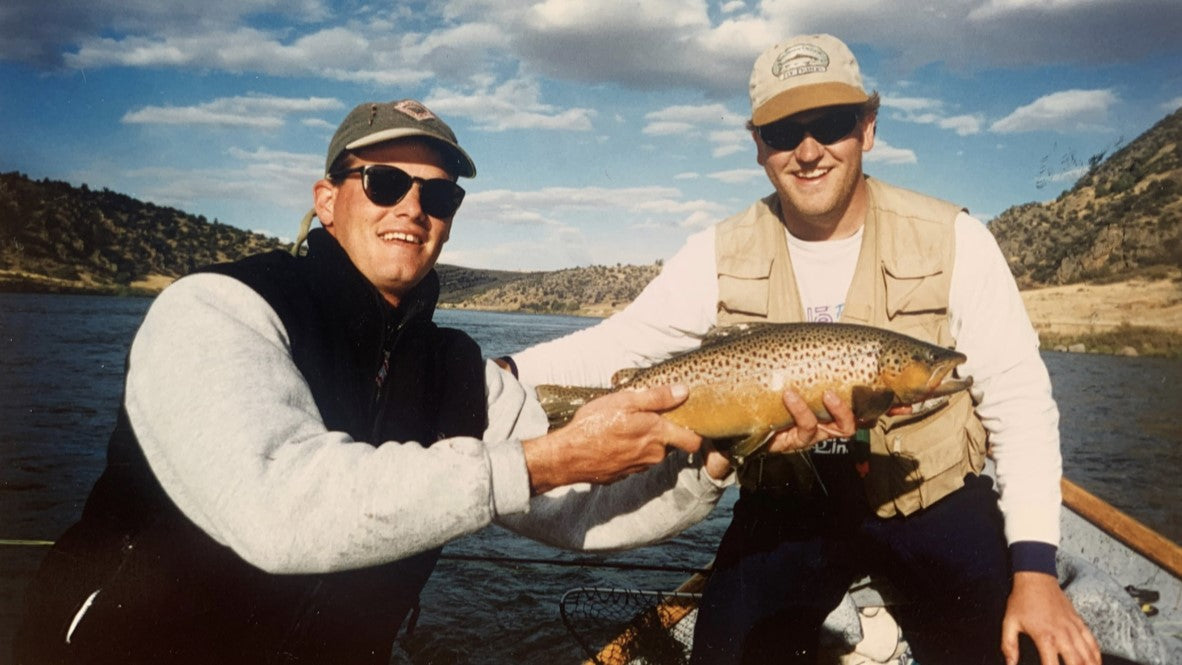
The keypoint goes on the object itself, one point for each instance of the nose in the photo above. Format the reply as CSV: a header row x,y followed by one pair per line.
x,y
809,149
411,205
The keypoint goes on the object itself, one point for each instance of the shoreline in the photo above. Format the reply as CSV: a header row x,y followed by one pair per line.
x,y
1140,316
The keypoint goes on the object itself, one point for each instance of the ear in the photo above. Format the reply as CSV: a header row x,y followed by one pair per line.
x,y
761,150
869,129
324,196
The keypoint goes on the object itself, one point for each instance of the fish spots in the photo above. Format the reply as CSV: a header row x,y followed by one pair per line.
x,y
738,376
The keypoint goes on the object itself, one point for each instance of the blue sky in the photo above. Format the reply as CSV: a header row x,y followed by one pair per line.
x,y
603,132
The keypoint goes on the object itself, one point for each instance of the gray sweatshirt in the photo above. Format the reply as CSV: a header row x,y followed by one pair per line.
x,y
230,429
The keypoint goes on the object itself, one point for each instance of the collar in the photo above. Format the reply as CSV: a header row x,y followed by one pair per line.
x,y
340,285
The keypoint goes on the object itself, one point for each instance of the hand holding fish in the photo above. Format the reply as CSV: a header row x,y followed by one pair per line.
x,y
609,438
808,430
739,377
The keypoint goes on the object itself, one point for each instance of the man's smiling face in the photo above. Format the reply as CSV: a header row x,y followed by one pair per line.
x,y
394,246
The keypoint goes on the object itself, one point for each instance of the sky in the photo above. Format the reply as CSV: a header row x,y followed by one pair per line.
x,y
603,132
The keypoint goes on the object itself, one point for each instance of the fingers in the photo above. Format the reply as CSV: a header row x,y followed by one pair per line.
x,y
1009,641
717,464
1039,608
808,430
844,423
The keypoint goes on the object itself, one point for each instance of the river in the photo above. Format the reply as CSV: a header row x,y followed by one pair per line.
x,y
61,365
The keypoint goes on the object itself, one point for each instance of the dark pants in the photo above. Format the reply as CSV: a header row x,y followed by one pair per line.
x,y
786,561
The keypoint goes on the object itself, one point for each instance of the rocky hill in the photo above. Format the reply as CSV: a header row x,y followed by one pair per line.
x,y
590,291
1121,218
57,237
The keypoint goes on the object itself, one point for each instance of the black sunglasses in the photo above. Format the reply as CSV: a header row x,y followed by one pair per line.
x,y
830,128
386,185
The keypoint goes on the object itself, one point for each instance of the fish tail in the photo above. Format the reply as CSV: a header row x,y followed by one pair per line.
x,y
561,402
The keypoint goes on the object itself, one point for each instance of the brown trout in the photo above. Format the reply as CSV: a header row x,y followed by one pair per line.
x,y
738,376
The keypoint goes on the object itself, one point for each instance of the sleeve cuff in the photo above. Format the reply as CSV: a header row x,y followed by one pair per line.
x,y
510,479
1033,556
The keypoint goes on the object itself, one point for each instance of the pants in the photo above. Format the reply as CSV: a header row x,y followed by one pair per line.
x,y
786,561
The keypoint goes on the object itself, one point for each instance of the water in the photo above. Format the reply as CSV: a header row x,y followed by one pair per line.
x,y
61,367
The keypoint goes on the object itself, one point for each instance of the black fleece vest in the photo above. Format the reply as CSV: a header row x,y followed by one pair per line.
x,y
376,372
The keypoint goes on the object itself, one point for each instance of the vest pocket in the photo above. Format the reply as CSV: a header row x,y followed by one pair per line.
x,y
744,284
930,457
919,288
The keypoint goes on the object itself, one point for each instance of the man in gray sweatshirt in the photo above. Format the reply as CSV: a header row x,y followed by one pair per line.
x,y
298,440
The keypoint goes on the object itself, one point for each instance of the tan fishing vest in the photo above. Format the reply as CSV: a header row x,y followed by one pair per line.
x,y
901,282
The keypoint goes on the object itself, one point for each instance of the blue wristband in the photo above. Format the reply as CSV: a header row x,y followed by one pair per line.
x,y
1033,556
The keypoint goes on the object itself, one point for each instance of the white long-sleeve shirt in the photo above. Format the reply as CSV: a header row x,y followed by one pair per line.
x,y
230,429
1011,386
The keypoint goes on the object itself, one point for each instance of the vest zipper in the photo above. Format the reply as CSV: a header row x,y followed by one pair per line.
x,y
389,341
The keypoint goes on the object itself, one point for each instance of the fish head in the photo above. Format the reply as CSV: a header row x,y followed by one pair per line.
x,y
923,371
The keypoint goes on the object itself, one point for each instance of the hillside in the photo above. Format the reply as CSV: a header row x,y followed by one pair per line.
x,y
56,237
59,238
590,291
1119,219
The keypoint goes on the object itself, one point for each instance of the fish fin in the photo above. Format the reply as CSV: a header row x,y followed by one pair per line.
x,y
561,402
869,404
742,447
623,376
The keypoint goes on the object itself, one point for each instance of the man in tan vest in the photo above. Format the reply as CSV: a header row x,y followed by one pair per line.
x,y
904,500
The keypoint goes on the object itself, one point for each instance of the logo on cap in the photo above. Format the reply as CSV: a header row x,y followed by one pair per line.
x,y
800,59
415,110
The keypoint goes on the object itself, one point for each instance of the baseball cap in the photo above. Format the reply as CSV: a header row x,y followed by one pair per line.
x,y
803,73
372,123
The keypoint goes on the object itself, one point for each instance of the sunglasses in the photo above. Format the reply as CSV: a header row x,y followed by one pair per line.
x,y
386,185
827,129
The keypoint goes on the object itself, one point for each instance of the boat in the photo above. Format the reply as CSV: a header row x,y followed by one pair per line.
x,y
1124,578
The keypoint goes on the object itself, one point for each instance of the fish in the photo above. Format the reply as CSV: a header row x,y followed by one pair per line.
x,y
737,378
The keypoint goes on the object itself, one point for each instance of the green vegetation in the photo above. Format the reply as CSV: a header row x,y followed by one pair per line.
x,y
1144,340
61,238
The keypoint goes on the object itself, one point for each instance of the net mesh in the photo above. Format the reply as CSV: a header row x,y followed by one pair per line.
x,y
618,626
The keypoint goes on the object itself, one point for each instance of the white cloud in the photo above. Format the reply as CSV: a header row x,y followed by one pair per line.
x,y
926,111
514,104
1071,175
993,9
251,111
668,128
885,153
963,125
657,44
1066,111
1172,105
721,127
736,176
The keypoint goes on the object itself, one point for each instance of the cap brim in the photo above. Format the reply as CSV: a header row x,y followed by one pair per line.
x,y
467,168
806,98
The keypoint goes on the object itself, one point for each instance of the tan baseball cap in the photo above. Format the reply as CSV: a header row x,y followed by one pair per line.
x,y
803,73
372,123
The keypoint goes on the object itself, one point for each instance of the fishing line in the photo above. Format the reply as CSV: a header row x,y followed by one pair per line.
x,y
10,542
572,564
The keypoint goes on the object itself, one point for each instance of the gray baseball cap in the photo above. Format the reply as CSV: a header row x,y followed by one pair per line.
x,y
372,123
